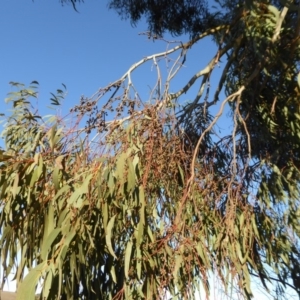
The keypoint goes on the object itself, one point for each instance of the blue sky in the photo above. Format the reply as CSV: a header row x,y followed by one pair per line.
x,y
52,44
44,41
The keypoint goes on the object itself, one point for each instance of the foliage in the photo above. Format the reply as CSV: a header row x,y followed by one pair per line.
x,y
88,223
154,200
177,17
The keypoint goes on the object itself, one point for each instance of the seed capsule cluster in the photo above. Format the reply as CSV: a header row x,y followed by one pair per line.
x,y
96,118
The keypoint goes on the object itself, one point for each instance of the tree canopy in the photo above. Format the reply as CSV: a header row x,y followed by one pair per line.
x,y
147,199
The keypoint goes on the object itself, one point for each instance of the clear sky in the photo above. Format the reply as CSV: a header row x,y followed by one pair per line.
x,y
44,41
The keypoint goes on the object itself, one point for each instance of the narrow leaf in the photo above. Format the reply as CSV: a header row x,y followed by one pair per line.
x,y
127,258
108,236
27,288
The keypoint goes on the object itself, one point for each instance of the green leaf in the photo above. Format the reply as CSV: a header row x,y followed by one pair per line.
x,y
56,179
47,284
135,161
113,274
181,174
34,178
139,262
15,188
26,290
139,233
202,254
77,198
239,253
108,236
86,183
120,168
131,177
49,221
254,226
40,166
150,234
242,218
66,243
105,214
47,243
52,134
246,279
274,11
61,191
6,232
127,258
111,183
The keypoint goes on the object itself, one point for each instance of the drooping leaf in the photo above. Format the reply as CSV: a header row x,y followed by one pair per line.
x,y
127,258
109,236
27,288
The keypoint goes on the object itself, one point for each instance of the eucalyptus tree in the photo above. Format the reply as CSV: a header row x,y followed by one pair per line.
x,y
154,200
